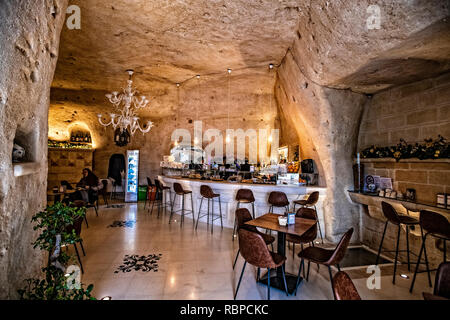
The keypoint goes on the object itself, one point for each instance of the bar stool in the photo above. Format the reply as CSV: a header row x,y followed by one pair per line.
x,y
312,200
279,200
393,217
243,196
435,225
160,192
179,191
149,189
207,193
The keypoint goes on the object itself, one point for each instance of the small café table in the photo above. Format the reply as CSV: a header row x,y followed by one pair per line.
x,y
270,221
57,195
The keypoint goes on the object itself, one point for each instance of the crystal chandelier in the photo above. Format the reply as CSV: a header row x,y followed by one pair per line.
x,y
127,104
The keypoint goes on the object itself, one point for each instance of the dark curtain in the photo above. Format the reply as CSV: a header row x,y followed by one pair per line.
x,y
116,164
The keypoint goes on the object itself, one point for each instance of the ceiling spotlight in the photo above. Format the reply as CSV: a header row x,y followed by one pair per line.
x,y
198,76
229,70
178,84
271,66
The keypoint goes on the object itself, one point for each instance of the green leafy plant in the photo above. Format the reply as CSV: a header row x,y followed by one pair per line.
x,y
53,223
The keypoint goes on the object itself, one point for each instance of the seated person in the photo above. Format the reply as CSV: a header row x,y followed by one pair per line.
x,y
91,184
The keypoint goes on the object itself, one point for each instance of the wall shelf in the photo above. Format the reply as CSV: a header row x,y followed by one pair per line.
x,y
26,168
410,160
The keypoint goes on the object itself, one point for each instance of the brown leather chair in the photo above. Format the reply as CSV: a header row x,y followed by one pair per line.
x,y
310,235
396,219
437,226
77,227
243,216
244,196
279,200
441,284
326,257
207,193
343,287
312,200
80,204
179,191
254,251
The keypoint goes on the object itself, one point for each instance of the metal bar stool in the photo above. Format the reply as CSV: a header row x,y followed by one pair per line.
x,y
149,190
162,197
243,196
207,193
393,217
435,225
312,200
179,191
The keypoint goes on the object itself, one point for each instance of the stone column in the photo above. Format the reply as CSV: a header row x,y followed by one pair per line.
x,y
29,42
328,121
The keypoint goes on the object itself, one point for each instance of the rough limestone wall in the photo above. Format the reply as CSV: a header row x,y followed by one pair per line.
x,y
252,106
29,41
328,121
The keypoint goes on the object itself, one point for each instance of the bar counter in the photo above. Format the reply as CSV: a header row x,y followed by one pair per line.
x,y
228,190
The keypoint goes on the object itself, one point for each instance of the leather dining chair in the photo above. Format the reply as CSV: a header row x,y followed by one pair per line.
x,y
312,200
441,284
255,252
77,227
243,216
326,257
309,236
343,287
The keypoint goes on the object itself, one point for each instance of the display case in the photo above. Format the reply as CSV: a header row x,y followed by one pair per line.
x,y
132,176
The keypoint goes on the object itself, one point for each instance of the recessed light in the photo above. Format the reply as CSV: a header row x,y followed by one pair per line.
x,y
404,276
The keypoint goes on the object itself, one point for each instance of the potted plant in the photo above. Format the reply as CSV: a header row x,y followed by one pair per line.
x,y
56,284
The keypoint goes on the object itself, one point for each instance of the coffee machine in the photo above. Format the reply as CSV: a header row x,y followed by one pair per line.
x,y
308,173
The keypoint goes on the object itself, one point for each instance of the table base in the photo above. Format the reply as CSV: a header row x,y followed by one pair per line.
x,y
276,281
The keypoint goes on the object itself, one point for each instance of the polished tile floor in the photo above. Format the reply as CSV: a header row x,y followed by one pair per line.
x,y
196,264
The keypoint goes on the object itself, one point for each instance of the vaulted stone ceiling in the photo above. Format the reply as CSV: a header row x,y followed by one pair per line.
x,y
169,41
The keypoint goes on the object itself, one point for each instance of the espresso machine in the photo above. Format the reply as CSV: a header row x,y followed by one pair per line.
x,y
308,173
